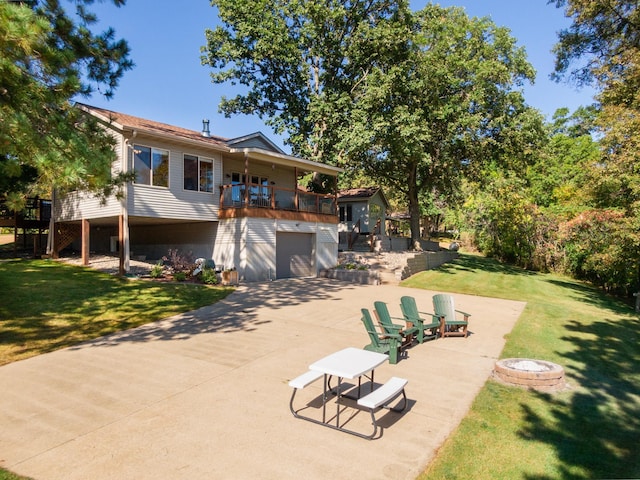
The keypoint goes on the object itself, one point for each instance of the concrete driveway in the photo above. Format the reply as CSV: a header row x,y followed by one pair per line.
x,y
204,395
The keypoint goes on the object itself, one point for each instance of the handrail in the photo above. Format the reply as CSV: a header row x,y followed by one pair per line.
x,y
372,236
376,230
275,198
353,235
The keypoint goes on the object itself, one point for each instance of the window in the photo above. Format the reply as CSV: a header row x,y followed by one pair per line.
x,y
198,174
236,190
151,166
262,189
346,213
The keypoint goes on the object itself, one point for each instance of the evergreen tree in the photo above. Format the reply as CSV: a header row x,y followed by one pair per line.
x,y
47,61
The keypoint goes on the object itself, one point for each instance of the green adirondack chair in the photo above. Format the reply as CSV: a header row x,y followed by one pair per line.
x,y
428,324
454,322
408,332
381,343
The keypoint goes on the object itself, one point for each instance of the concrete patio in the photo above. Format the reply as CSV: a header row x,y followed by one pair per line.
x,y
204,395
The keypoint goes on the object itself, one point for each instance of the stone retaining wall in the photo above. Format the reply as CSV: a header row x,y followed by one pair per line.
x,y
427,261
417,263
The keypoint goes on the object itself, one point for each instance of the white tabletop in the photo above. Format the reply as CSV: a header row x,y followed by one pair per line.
x,y
349,363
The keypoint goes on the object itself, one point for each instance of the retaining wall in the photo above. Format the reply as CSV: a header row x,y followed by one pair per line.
x,y
427,261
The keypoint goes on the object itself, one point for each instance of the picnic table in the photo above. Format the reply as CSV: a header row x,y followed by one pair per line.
x,y
349,363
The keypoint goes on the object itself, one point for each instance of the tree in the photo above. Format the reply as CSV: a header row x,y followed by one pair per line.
x,y
411,99
602,47
443,107
47,61
559,179
297,63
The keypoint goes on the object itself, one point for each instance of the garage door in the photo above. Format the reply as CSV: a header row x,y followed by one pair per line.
x,y
294,255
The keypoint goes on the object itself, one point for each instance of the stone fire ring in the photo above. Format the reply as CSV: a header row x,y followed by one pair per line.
x,y
524,372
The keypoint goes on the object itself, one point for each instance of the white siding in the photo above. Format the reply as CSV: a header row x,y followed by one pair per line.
x,y
81,205
326,246
249,244
175,202
259,264
229,243
149,201
78,206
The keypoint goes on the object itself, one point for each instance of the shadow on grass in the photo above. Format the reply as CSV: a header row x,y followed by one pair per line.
x,y
596,431
594,296
474,263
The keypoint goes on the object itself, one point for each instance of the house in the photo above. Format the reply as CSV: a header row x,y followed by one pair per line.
x,y
364,207
362,211
235,201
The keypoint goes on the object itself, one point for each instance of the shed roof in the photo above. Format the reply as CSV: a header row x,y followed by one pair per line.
x,y
361,193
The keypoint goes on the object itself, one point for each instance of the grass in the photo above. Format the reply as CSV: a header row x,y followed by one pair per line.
x,y
592,430
48,305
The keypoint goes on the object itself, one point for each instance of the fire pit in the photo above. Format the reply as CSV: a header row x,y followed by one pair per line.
x,y
536,374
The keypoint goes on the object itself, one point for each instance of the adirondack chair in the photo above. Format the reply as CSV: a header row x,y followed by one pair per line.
x,y
381,343
428,324
454,322
385,320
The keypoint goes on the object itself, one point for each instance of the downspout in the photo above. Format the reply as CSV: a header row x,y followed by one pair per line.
x,y
246,178
123,221
52,226
335,194
295,195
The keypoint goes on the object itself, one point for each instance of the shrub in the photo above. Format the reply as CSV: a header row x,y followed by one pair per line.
x,y
602,247
180,262
208,276
180,276
157,271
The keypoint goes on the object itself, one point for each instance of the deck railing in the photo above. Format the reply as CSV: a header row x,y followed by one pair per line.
x,y
275,198
35,209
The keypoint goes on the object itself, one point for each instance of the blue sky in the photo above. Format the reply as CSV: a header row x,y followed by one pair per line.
x,y
168,83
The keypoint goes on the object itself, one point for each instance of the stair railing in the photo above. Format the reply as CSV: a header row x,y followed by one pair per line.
x,y
353,235
372,237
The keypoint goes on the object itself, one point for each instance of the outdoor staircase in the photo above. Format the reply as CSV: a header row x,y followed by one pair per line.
x,y
362,244
65,234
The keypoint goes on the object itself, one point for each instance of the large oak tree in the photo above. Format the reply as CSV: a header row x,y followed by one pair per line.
x,y
447,107
415,100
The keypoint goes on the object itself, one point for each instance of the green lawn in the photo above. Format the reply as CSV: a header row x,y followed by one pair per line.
x,y
592,430
46,305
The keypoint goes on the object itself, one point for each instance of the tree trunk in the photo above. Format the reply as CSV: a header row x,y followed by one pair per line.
x,y
414,210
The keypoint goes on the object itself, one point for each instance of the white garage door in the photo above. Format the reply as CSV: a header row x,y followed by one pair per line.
x,y
294,255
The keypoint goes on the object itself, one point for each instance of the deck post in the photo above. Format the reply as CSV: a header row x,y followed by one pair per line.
x,y
85,242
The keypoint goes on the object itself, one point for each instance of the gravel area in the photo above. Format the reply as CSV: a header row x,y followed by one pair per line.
x,y
111,264
383,260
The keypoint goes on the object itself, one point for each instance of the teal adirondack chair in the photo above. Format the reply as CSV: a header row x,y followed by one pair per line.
x,y
386,322
381,343
454,322
428,324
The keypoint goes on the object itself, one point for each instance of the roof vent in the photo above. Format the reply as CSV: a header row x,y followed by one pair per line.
x,y
205,128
